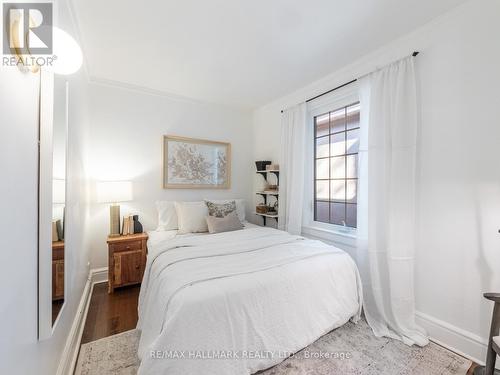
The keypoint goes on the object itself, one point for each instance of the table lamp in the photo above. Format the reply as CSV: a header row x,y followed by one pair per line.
x,y
58,191
114,192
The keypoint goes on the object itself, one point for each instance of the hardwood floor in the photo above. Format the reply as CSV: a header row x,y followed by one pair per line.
x,y
110,314
56,308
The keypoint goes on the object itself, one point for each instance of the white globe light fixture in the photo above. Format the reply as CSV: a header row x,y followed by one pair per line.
x,y
67,52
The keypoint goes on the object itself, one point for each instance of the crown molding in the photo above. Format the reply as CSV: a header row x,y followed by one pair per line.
x,y
149,91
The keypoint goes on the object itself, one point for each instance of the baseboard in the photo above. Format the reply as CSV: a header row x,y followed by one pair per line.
x,y
71,349
465,343
99,275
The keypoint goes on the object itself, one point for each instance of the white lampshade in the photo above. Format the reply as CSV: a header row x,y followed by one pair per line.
x,y
114,191
69,54
58,191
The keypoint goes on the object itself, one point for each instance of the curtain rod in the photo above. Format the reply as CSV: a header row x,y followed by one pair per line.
x,y
343,85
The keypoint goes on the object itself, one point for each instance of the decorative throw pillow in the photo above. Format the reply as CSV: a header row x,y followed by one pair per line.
x,y
220,209
224,224
240,206
191,217
167,216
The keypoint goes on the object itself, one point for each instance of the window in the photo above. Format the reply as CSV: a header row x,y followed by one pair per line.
x,y
336,140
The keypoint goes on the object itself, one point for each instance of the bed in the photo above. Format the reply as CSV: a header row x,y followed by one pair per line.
x,y
239,302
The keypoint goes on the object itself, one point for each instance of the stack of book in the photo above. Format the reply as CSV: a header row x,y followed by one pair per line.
x,y
57,231
127,225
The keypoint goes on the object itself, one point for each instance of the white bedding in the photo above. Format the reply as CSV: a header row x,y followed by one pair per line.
x,y
255,295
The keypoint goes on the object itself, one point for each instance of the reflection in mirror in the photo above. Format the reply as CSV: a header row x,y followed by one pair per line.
x,y
58,193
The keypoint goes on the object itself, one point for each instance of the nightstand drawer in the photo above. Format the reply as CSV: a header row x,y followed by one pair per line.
x,y
127,246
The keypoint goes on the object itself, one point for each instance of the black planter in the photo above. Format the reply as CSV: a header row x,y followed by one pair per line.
x,y
261,165
137,224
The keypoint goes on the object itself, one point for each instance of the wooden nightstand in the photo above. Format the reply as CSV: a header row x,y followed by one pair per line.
x,y
127,260
57,270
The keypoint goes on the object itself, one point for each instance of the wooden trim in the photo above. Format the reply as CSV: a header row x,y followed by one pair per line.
x,y
197,141
57,245
128,237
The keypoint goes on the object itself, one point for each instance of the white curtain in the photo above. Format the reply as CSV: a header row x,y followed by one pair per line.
x,y
292,164
386,200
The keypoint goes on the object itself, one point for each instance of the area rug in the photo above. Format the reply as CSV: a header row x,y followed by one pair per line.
x,y
350,349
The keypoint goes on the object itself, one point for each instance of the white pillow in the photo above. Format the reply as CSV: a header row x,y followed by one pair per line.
x,y
224,224
240,206
192,217
167,216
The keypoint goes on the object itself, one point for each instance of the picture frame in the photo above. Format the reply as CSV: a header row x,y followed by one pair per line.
x,y
190,163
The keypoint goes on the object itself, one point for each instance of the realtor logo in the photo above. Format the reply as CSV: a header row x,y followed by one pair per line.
x,y
27,28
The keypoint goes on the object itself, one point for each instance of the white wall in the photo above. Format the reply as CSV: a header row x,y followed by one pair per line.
x,y
126,137
20,351
459,176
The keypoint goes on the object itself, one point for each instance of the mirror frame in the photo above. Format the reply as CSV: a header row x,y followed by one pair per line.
x,y
45,176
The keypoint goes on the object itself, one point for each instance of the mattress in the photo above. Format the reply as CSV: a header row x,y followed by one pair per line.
x,y
239,302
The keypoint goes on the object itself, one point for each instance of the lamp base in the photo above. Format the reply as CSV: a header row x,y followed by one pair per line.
x,y
114,220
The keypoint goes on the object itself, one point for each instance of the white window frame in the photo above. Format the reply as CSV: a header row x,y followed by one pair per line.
x,y
327,103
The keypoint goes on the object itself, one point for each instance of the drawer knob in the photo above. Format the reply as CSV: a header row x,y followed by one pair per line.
x,y
128,247
137,267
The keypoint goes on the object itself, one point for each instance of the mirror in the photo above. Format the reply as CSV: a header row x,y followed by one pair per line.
x,y
53,212
59,169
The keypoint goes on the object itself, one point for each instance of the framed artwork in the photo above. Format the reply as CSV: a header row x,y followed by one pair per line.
x,y
190,163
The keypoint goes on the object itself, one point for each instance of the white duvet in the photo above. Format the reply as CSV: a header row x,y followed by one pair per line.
x,y
239,302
